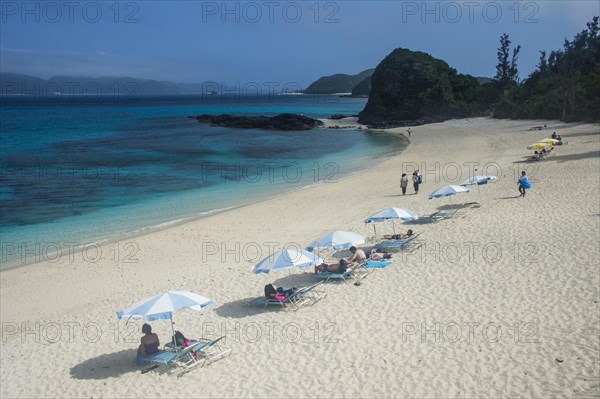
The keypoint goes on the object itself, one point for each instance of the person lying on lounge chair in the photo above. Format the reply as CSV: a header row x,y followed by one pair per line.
x,y
333,268
379,255
399,236
279,293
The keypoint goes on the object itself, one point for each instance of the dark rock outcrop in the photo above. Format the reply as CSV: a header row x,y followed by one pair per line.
x,y
341,116
279,122
410,88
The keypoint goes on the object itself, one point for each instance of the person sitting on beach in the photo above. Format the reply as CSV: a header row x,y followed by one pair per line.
x,y
559,138
358,256
408,234
379,255
536,156
149,344
554,136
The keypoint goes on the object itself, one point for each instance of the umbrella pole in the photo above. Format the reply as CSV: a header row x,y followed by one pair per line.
x,y
172,330
374,230
394,226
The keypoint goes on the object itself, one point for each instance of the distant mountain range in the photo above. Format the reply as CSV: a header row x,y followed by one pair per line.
x,y
18,84
342,83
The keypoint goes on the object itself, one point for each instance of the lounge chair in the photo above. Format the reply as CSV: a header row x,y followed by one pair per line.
x,y
351,274
303,296
447,214
397,244
182,357
212,350
347,275
433,217
202,351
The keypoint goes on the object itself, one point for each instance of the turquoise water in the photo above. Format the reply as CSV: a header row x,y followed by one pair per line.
x,y
75,172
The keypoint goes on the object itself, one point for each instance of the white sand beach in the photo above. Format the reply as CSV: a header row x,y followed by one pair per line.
x,y
500,301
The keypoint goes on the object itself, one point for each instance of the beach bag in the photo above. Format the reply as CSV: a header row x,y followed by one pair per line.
x,y
179,339
420,179
269,291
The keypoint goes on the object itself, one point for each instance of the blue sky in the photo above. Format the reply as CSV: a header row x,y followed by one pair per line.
x,y
272,41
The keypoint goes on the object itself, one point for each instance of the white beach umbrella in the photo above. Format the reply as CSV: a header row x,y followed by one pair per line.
x,y
162,306
337,240
286,259
391,214
448,191
479,180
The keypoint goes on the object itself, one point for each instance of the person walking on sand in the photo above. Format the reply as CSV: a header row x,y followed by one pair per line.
x,y
404,183
417,179
523,183
408,131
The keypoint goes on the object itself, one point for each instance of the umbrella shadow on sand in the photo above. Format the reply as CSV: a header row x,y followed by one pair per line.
x,y
105,366
457,206
241,308
297,280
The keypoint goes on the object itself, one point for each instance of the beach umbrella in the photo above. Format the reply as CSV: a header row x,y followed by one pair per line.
x,y
479,180
286,259
539,146
337,240
448,191
549,142
162,306
391,214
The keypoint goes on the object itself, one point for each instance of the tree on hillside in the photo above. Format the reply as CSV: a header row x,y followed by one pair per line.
x,y
576,68
543,64
566,84
507,73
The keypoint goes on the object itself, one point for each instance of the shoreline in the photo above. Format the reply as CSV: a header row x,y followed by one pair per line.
x,y
548,288
103,242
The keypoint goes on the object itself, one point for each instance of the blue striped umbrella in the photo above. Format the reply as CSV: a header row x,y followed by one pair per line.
x,y
448,191
162,306
391,213
478,179
337,240
286,259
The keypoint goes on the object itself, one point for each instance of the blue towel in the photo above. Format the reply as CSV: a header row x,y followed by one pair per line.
x,y
378,264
